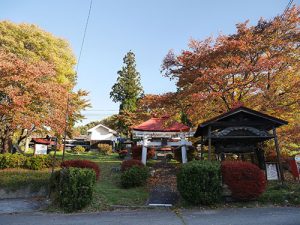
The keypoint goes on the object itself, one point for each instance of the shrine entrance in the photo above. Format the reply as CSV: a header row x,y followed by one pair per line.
x,y
163,135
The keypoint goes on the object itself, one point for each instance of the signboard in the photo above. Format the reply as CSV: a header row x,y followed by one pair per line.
x,y
272,171
40,149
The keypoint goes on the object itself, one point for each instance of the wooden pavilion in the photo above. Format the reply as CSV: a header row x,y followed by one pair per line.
x,y
240,131
159,132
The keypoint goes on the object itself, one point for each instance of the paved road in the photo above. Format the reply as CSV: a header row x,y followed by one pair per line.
x,y
256,216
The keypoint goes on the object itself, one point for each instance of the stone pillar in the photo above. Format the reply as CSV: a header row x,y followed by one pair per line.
x,y
183,151
144,152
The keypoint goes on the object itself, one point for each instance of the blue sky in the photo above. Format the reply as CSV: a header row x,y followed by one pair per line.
x,y
148,28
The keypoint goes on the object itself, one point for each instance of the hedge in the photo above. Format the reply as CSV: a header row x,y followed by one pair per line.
x,y
80,163
245,180
199,182
36,162
72,188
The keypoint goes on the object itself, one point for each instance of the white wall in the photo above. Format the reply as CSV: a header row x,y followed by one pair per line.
x,y
101,133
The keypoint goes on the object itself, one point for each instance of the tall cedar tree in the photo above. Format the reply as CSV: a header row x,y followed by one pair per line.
x,y
127,90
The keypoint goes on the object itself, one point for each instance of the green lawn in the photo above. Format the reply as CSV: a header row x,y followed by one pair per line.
x,y
281,194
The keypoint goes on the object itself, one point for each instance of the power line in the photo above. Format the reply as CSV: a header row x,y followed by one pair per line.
x,y
84,34
79,57
287,8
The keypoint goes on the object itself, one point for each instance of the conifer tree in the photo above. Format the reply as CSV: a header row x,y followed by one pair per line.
x,y
128,89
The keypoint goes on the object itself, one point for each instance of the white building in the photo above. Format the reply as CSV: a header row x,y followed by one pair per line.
x,y
101,134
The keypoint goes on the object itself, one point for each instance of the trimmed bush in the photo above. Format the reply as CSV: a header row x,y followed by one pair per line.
x,y
122,154
36,162
105,149
199,182
79,163
127,164
191,154
134,177
78,149
245,180
72,188
137,152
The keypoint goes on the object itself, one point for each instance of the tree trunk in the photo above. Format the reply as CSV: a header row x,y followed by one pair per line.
x,y
5,145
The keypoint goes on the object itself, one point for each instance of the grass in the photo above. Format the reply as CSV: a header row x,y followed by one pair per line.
x,y
13,179
108,192
281,194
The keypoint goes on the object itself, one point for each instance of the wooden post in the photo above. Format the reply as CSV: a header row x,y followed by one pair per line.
x,y
201,149
209,143
278,154
54,156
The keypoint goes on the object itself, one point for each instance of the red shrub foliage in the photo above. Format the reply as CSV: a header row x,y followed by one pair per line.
x,y
150,153
245,180
127,164
137,152
122,153
82,164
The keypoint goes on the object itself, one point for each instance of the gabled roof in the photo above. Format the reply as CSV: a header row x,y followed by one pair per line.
x,y
101,125
269,121
161,125
43,141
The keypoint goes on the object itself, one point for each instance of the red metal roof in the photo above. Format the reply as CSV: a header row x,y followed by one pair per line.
x,y
43,141
161,125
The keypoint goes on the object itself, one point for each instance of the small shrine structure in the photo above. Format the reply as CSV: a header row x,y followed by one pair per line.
x,y
240,131
159,132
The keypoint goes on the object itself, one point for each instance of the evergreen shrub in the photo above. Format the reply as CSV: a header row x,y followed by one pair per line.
x,y
134,177
199,182
72,188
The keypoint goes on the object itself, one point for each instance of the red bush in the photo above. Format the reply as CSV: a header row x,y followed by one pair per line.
x,y
137,152
122,153
127,164
150,153
245,180
82,164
